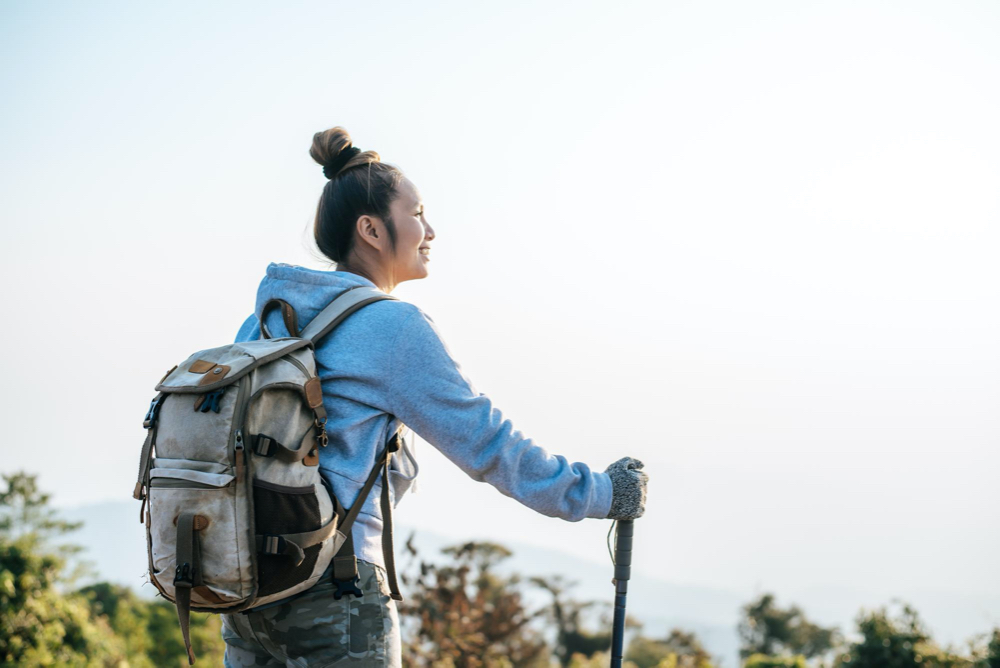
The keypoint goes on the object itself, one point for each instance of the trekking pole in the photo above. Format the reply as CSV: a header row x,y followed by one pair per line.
x,y
623,569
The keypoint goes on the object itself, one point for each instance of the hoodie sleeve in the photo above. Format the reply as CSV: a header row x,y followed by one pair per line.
x,y
431,395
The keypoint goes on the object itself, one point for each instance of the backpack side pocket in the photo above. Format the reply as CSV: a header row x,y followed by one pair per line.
x,y
219,575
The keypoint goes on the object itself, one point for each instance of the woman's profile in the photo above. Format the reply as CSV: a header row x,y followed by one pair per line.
x,y
385,368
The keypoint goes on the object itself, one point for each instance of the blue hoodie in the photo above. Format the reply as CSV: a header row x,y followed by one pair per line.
x,y
388,360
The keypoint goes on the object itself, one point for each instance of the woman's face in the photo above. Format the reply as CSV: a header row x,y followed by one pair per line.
x,y
413,234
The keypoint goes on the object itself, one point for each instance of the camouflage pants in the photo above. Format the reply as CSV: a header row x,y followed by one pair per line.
x,y
314,629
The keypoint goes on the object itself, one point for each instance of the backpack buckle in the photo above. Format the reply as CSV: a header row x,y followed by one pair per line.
x,y
154,410
322,438
345,587
264,445
184,576
274,545
210,401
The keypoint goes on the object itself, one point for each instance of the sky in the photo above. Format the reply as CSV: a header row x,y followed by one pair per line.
x,y
751,244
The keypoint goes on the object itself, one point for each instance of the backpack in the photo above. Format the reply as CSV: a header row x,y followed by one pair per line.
x,y
237,514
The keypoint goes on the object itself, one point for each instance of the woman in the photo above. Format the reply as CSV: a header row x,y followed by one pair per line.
x,y
384,367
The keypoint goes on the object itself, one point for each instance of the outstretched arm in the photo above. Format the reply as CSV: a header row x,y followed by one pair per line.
x,y
431,395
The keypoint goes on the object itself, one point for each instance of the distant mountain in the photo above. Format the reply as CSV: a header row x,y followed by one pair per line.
x,y
115,542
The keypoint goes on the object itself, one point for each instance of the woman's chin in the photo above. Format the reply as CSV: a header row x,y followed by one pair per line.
x,y
417,273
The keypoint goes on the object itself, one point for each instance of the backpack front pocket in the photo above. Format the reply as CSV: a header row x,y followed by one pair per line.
x,y
194,465
280,509
163,477
217,576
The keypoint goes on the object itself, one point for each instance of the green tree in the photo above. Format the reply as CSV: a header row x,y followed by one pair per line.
x,y
887,642
764,661
126,614
572,636
39,626
25,514
899,641
992,656
27,519
680,649
166,644
600,660
149,629
769,630
464,615
984,650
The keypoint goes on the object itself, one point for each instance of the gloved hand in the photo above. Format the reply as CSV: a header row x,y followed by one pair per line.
x,y
628,489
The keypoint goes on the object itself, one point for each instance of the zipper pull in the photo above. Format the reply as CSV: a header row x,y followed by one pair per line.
x,y
239,455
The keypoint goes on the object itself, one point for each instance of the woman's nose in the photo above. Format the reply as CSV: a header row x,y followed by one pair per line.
x,y
428,231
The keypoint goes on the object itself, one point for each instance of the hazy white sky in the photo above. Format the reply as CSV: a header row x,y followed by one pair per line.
x,y
753,244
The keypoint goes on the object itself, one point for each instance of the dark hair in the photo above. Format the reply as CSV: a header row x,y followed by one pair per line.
x,y
363,186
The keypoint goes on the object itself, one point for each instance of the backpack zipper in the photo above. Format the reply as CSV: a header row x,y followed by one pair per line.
x,y
299,364
238,452
239,416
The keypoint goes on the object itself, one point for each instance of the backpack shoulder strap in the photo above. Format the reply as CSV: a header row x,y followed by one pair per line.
x,y
338,310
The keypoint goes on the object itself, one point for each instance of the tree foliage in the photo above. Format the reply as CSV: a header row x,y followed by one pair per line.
x,y
680,649
99,625
902,641
991,655
465,615
598,660
887,642
764,661
25,515
573,638
39,626
149,629
768,630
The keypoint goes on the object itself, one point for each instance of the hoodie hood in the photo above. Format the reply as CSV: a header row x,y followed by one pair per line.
x,y
308,291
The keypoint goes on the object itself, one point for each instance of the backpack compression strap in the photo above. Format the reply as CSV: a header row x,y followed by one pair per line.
x,y
345,563
188,574
338,310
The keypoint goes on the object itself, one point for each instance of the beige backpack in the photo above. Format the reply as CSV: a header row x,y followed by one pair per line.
x,y
236,512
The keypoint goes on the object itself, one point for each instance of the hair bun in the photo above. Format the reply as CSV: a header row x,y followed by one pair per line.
x,y
332,168
334,151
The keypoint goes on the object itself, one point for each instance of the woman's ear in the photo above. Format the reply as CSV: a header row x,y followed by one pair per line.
x,y
369,231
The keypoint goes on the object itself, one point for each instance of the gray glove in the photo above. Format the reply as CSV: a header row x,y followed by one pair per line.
x,y
628,489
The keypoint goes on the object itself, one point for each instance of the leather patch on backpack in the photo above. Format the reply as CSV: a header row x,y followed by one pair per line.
x,y
200,522
311,459
201,366
208,595
218,372
314,393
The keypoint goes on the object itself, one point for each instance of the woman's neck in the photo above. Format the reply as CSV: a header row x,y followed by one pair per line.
x,y
382,282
